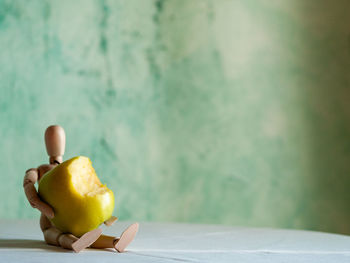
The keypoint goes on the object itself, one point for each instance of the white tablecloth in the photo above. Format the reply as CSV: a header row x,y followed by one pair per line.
x,y
21,241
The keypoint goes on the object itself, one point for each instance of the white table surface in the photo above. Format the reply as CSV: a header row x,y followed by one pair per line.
x,y
21,241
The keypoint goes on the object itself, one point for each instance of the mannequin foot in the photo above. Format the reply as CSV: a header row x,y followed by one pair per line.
x,y
127,236
86,240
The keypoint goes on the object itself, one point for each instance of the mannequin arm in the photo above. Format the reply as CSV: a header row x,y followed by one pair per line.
x,y
110,221
30,178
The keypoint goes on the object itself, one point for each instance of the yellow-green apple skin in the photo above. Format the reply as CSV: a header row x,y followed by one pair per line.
x,y
80,201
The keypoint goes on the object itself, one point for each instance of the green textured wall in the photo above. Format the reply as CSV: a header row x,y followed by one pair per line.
x,y
234,112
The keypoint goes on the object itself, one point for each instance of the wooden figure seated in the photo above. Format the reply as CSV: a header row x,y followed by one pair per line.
x,y
55,146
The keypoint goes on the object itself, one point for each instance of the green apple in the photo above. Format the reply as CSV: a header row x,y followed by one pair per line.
x,y
80,201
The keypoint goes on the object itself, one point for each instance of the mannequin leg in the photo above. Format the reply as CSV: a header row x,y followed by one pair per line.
x,y
51,236
67,240
126,237
86,240
105,242
118,244
55,237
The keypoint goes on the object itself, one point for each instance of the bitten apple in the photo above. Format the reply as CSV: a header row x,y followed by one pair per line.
x,y
80,201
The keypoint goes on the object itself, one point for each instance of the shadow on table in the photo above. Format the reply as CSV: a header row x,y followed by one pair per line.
x,y
29,244
38,244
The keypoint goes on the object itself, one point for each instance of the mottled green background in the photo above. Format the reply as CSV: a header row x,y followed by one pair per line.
x,y
232,112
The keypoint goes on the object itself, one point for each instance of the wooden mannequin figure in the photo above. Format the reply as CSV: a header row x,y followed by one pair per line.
x,y
55,141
